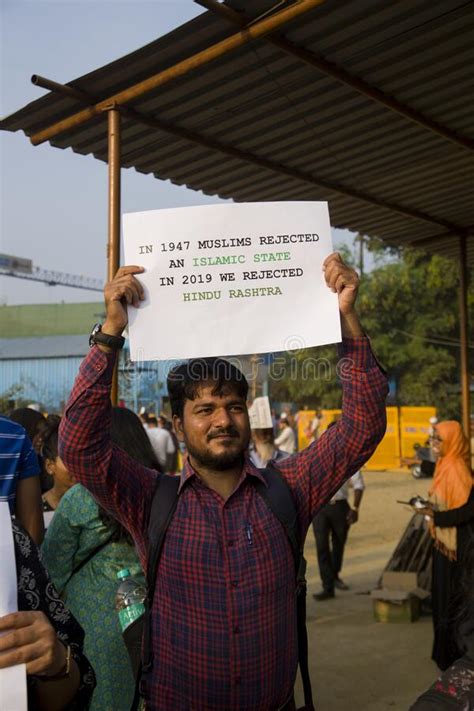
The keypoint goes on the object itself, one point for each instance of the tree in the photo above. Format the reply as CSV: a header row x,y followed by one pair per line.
x,y
306,377
410,309
9,399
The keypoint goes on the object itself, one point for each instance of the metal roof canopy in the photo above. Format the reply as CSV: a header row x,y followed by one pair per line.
x,y
361,103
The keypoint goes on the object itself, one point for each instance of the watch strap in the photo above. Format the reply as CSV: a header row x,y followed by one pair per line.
x,y
115,342
105,339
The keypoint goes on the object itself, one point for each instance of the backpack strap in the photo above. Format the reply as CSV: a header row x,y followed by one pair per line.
x,y
163,506
279,499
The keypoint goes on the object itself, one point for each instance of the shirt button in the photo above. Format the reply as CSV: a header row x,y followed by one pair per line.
x,y
235,583
236,629
230,543
237,680
98,367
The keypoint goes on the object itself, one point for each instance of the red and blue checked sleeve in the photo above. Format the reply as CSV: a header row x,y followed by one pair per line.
x,y
120,484
316,473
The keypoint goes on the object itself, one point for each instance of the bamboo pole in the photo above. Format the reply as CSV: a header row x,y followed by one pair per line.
x,y
113,244
463,326
259,29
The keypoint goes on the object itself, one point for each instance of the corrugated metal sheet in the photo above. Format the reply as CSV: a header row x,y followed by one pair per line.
x,y
44,369
43,347
273,107
44,380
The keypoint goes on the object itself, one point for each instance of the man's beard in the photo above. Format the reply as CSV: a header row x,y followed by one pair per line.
x,y
219,462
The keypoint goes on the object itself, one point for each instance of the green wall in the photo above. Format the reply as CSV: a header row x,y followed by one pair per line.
x,y
49,319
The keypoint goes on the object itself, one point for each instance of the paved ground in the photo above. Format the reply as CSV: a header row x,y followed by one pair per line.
x,y
356,663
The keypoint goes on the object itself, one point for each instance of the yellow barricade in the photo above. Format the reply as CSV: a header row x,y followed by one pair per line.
x,y
387,454
305,418
414,427
328,417
406,426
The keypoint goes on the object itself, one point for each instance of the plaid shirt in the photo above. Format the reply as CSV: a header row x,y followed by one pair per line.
x,y
223,615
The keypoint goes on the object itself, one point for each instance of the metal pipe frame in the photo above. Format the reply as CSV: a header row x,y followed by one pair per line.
x,y
113,244
319,62
266,25
58,88
426,241
463,328
258,30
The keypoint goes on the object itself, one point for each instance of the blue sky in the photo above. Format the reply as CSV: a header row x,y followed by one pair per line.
x,y
54,202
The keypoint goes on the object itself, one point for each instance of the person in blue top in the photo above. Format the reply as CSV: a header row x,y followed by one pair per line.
x,y
20,477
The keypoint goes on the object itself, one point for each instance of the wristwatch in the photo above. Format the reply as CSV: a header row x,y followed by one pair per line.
x,y
98,336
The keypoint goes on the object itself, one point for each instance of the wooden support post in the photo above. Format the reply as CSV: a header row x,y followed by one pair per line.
x,y
463,326
113,244
254,360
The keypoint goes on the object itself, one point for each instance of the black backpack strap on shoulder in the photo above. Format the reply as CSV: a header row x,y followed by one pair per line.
x,y
279,499
163,506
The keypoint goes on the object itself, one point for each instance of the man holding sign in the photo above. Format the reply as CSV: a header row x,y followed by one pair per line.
x,y
223,623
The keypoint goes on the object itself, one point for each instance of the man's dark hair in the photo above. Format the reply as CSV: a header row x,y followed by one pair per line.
x,y
185,380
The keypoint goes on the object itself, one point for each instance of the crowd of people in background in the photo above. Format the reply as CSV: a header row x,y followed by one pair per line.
x,y
84,547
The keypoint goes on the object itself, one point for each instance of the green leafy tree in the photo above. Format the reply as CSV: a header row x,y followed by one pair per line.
x,y
410,308
306,377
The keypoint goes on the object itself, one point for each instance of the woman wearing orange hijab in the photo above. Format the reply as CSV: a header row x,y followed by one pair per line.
x,y
452,528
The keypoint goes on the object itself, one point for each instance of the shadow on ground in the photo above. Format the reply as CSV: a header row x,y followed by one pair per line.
x,y
356,663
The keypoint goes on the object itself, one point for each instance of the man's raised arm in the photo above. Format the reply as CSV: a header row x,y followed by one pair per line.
x,y
119,483
317,472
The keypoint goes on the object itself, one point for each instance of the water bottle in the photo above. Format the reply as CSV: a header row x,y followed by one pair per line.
x,y
129,599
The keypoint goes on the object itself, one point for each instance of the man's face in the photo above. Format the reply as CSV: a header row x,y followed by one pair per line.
x,y
214,428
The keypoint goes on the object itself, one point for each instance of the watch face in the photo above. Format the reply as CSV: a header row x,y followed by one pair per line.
x,y
96,329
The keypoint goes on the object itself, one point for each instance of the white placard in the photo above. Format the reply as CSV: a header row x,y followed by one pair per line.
x,y
230,279
260,415
13,694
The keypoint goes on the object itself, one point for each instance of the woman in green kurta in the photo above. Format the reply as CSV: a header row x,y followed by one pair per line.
x,y
81,531
75,532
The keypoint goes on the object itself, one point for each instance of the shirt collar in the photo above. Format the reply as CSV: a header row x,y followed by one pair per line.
x,y
248,470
